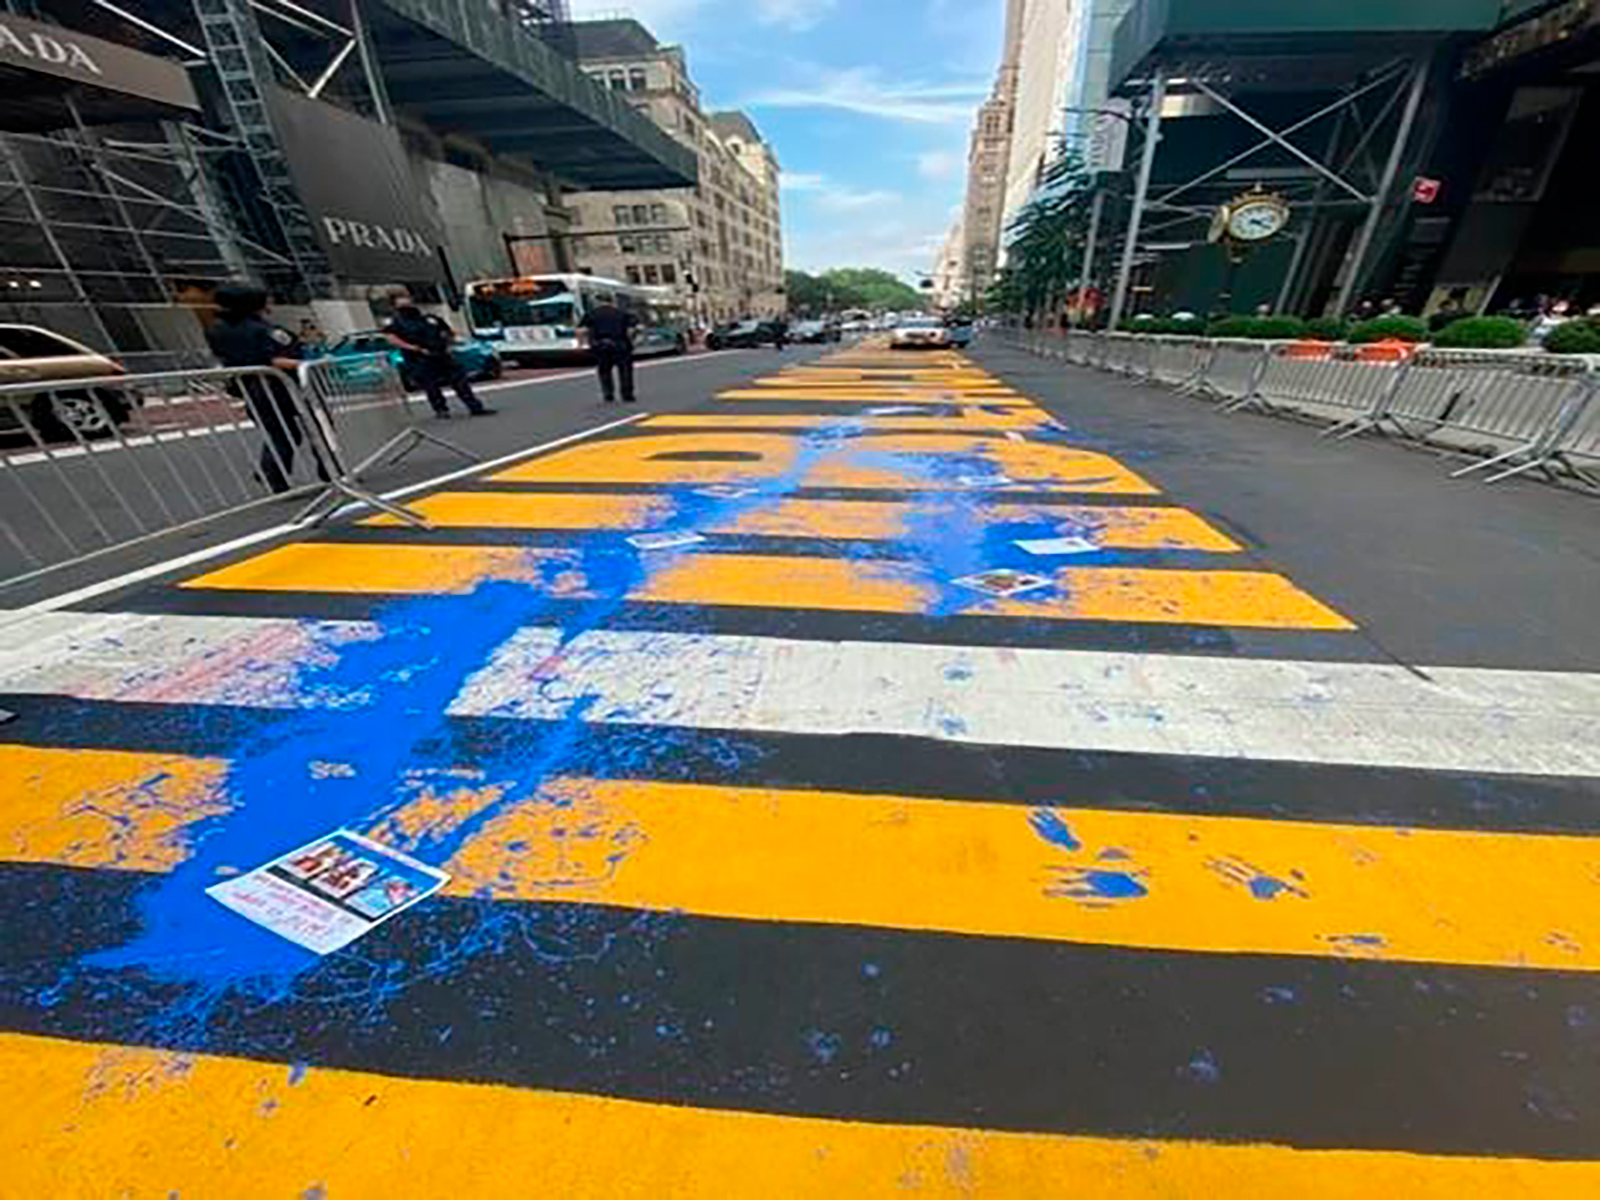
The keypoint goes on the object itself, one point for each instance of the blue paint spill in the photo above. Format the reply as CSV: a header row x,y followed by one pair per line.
x,y
871,970
1279,995
297,1073
880,1038
1048,825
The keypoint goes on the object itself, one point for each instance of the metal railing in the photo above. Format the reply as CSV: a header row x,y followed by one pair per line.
x,y
88,466
362,405
1510,411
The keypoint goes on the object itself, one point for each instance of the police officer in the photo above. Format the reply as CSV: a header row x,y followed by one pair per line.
x,y
610,334
425,340
243,337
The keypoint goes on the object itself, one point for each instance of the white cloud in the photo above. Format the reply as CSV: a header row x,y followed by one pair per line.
x,y
793,14
802,181
863,92
847,200
939,164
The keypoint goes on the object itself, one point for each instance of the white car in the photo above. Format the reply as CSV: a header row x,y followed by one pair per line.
x,y
919,332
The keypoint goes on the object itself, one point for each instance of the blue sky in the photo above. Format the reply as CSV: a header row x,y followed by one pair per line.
x,y
868,104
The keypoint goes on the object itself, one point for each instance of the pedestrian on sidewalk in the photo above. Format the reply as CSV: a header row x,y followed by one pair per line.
x,y
425,341
609,332
243,337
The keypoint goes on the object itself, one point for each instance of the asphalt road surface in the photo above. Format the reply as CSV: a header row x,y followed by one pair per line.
x,y
865,774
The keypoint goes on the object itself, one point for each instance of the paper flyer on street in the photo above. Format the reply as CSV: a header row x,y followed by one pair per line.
x,y
330,892
984,481
664,541
1004,582
1058,545
725,491
893,410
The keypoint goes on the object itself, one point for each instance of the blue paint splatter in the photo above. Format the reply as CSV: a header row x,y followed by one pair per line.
x,y
1099,887
1279,995
297,1073
824,1047
880,1038
1265,887
1203,1068
871,970
1049,825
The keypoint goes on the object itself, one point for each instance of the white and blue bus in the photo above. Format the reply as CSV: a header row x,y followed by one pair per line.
x,y
534,319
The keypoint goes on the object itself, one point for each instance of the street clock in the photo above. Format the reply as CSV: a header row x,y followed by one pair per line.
x,y
1252,217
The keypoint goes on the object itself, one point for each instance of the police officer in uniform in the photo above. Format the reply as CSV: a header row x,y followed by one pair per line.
x,y
243,337
610,334
425,340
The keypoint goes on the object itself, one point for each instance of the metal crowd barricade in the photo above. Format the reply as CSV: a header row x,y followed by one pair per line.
x,y
1180,361
1328,380
1458,398
361,403
1234,371
91,466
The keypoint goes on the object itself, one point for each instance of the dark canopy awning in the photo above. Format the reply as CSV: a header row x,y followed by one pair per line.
x,y
465,68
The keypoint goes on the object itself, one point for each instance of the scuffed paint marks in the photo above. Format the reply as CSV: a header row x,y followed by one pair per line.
x,y
1259,883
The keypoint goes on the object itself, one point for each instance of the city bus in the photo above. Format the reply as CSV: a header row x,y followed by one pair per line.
x,y
534,318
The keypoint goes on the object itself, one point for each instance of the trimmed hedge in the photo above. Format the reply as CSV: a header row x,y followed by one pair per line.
x,y
1265,328
1327,329
1390,329
1146,323
1581,336
1482,333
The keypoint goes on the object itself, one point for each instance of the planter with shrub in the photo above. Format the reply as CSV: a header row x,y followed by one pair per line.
x,y
1390,329
1482,333
1581,336
1263,328
1327,329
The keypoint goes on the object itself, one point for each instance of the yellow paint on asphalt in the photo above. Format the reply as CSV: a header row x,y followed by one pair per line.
x,y
1200,884
1115,527
973,419
1239,599
99,1120
872,461
880,395
102,808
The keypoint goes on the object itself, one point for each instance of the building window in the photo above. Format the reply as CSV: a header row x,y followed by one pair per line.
x,y
636,79
629,243
619,215
641,214
669,274
658,214
633,275
652,276
618,80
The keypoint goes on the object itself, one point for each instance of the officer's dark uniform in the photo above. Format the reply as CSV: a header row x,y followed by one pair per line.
x,y
253,342
435,366
611,339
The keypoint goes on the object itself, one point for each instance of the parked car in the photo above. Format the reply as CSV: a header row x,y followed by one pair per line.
x,y
741,335
960,333
814,332
480,359
914,333
29,354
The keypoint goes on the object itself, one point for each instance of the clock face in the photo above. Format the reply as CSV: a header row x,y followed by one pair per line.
x,y
1257,220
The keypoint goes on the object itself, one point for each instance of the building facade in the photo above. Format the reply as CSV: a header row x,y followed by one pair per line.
x,y
718,246
947,289
321,157
988,157
1045,65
